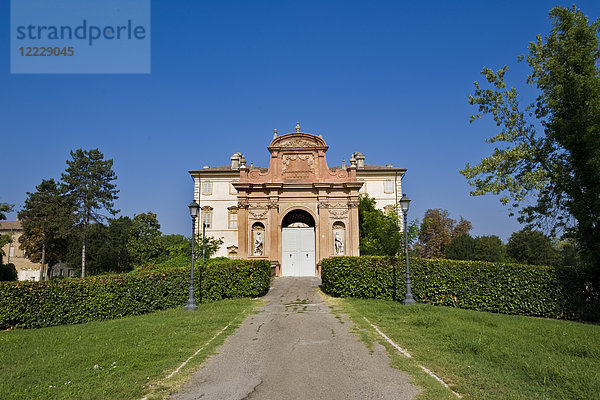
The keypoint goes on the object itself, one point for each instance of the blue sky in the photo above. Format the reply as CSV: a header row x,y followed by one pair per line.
x,y
388,79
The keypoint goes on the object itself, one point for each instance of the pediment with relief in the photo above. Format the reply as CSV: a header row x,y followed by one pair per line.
x,y
297,142
298,166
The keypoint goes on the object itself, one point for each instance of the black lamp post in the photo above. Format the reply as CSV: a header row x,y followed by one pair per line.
x,y
191,304
408,298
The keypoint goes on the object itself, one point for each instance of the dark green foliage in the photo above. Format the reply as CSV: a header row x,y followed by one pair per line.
x,y
174,246
88,180
224,278
105,247
461,248
5,208
47,219
367,277
489,248
553,292
144,245
550,175
480,248
211,246
73,301
532,247
114,252
8,272
379,233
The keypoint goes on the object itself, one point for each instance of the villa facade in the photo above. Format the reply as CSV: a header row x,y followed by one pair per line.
x,y
295,212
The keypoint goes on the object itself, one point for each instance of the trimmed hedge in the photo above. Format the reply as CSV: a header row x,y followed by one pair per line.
x,y
73,301
553,292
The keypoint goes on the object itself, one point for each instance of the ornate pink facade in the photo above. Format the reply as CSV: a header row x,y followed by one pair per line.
x,y
298,184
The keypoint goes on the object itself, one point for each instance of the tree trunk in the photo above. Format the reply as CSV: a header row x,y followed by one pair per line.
x,y
43,274
83,256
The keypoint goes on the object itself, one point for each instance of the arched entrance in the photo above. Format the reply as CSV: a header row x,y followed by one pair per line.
x,y
298,244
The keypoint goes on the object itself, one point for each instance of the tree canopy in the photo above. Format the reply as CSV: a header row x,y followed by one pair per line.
x,y
379,232
46,219
480,248
546,163
88,179
144,244
437,231
532,247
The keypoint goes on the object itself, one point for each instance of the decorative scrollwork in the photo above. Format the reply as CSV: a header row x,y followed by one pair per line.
x,y
338,212
353,204
324,204
243,203
258,211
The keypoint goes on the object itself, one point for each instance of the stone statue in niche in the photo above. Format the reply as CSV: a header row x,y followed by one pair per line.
x,y
258,244
338,244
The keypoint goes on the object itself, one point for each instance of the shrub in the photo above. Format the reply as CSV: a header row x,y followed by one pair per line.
x,y
532,247
554,292
72,301
8,272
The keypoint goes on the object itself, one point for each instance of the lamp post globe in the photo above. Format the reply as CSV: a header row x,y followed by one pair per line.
x,y
191,304
404,205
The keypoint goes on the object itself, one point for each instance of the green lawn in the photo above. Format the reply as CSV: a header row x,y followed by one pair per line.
x,y
487,356
127,358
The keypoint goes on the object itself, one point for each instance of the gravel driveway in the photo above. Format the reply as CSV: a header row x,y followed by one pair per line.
x,y
295,348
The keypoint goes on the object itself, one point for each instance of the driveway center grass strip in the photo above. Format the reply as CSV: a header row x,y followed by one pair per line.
x,y
487,356
126,358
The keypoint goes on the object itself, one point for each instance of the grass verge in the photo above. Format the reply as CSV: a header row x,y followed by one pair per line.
x,y
126,358
483,355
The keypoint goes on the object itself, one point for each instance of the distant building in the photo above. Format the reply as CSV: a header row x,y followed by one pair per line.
x,y
26,270
295,212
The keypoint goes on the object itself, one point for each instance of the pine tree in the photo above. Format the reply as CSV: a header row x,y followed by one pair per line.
x,y
88,179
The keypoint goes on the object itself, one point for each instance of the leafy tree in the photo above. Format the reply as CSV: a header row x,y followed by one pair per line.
x,y
107,246
174,246
550,176
46,219
489,248
437,231
212,245
532,247
88,179
116,243
8,272
144,244
379,233
5,208
480,248
461,248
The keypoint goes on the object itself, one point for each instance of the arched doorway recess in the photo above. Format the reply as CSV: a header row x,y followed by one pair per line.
x,y
298,244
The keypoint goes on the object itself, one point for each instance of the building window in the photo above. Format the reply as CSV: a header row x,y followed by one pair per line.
x,y
207,188
11,251
233,217
207,216
388,186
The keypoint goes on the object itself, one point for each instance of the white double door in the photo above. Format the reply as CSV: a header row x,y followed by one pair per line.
x,y
298,252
